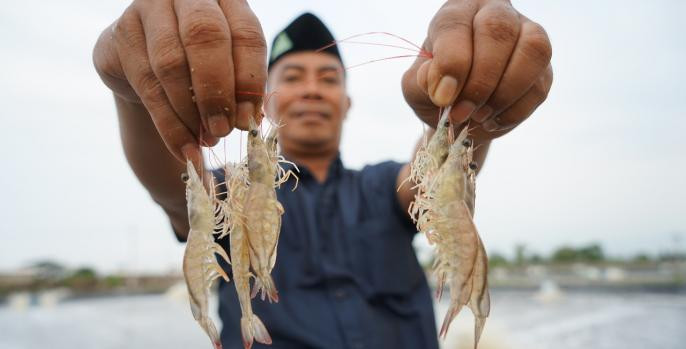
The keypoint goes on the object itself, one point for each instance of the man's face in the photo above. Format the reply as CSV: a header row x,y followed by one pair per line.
x,y
309,100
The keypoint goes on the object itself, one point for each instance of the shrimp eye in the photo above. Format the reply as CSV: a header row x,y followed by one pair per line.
x,y
276,141
184,177
467,142
473,165
446,124
253,133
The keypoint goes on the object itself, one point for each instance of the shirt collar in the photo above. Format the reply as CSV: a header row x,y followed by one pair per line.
x,y
304,174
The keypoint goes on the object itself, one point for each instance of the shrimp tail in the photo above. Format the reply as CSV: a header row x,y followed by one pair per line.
x,y
265,286
252,328
212,332
256,288
270,289
479,323
449,316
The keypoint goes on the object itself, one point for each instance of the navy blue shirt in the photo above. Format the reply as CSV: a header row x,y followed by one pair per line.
x,y
346,272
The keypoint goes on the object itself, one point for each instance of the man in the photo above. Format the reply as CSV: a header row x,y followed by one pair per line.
x,y
346,272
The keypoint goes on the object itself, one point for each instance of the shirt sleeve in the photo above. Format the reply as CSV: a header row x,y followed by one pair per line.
x,y
380,180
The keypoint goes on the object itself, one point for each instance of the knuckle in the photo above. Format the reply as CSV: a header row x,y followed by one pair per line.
x,y
448,19
125,29
500,24
536,45
168,61
456,65
248,36
202,30
539,91
448,25
149,88
480,89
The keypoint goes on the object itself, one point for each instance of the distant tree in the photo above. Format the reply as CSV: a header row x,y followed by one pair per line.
x,y
113,281
84,278
48,270
520,254
641,258
535,259
566,254
85,273
591,253
496,259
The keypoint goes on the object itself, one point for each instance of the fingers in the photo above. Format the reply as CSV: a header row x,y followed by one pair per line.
x,y
168,60
108,66
496,29
450,41
249,52
529,60
131,43
522,108
206,38
415,95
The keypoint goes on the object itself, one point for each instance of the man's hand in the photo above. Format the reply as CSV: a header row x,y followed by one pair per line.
x,y
197,66
489,61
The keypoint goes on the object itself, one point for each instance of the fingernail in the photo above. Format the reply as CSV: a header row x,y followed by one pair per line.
x,y
445,91
191,152
245,110
482,114
462,111
490,125
219,126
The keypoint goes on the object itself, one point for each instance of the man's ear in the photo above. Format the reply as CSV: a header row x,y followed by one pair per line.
x,y
348,104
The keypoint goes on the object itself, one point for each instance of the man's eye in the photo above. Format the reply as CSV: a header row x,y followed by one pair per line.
x,y
290,78
330,79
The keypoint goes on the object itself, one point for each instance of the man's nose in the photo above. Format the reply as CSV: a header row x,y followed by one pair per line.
x,y
311,89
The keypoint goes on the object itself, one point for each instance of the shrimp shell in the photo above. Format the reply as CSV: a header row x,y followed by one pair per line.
x,y
252,327
200,267
262,212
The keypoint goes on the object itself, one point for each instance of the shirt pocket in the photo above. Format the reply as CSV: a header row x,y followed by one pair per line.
x,y
384,258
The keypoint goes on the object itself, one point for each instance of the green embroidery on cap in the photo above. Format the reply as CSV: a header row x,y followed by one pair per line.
x,y
282,44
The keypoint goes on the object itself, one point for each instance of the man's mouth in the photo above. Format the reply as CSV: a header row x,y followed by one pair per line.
x,y
311,114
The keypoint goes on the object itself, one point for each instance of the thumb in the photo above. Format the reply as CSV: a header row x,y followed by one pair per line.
x,y
414,86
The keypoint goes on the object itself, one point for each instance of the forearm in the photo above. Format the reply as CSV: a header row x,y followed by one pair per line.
x,y
152,163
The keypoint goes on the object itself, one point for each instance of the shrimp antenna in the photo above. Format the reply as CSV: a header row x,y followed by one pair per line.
x,y
419,49
381,44
415,48
379,60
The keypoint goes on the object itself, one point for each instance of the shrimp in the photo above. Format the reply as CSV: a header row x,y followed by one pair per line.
x,y
262,212
452,229
431,156
426,162
251,326
200,267
480,299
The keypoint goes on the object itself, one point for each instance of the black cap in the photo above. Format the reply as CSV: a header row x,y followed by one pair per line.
x,y
305,33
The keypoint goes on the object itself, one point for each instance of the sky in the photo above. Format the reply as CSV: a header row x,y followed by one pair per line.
x,y
600,161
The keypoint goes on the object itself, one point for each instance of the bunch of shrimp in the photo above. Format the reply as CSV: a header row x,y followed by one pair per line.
x,y
443,210
200,267
426,163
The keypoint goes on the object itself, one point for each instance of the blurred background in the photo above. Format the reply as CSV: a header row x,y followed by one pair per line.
x,y
581,207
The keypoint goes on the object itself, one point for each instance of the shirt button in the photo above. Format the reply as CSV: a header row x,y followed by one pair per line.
x,y
340,293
